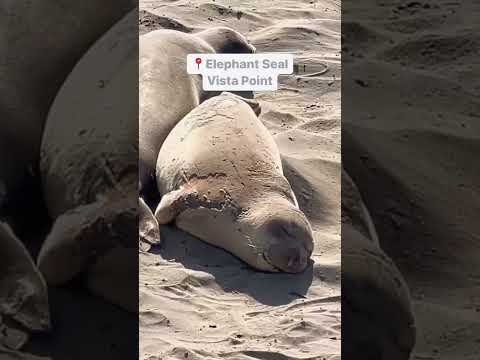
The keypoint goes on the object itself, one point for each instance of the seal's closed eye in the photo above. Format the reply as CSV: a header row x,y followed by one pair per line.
x,y
284,227
285,230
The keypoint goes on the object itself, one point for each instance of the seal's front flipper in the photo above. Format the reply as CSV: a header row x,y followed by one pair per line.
x,y
148,231
173,203
169,206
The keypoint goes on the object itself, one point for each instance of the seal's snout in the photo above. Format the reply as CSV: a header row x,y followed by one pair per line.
x,y
290,240
297,260
288,259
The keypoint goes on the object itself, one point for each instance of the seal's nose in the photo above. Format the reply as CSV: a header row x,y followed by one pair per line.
x,y
297,260
289,259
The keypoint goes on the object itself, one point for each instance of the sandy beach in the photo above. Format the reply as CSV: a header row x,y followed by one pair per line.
x,y
200,302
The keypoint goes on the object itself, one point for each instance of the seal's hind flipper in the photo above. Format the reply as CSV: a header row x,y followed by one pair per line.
x,y
23,293
148,231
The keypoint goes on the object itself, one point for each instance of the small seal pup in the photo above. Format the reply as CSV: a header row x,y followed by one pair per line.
x,y
167,91
89,168
376,305
23,293
220,176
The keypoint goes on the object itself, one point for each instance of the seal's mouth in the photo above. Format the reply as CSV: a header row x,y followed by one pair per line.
x,y
293,262
267,260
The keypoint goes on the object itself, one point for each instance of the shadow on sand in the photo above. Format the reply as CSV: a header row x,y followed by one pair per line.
x,y
231,274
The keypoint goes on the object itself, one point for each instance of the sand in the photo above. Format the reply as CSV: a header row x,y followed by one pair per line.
x,y
413,153
199,302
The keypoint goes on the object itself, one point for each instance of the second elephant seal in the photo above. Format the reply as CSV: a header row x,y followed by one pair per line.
x,y
167,91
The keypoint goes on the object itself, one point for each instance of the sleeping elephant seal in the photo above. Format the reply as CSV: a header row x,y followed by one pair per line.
x,y
376,305
221,177
23,293
41,42
167,91
89,168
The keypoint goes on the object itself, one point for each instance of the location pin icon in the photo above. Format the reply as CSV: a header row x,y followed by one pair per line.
x,y
198,61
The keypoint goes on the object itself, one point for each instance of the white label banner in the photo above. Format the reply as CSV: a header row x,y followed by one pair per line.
x,y
240,72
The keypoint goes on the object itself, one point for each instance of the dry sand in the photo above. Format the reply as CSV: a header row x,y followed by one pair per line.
x,y
199,302
413,153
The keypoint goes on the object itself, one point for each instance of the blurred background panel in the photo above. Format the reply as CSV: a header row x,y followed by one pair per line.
x,y
410,142
68,207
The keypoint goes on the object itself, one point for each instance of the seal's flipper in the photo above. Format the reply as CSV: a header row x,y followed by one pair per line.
x,y
23,292
85,233
171,205
148,231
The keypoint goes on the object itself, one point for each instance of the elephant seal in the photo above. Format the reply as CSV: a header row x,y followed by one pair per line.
x,y
167,91
23,293
41,43
220,174
89,169
376,305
